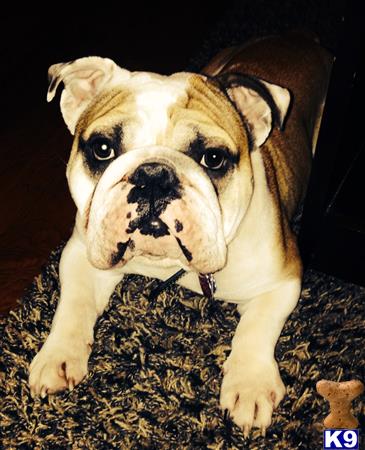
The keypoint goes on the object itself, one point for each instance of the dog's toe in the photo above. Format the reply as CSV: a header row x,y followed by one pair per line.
x,y
250,393
56,368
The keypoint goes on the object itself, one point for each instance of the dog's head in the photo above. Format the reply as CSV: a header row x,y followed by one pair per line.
x,y
160,165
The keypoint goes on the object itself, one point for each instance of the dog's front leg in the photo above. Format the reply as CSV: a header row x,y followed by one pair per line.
x,y
252,386
85,291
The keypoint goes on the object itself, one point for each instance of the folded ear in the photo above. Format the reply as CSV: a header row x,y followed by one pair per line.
x,y
263,105
83,79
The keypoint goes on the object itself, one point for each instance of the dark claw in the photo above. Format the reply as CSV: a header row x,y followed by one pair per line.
x,y
236,400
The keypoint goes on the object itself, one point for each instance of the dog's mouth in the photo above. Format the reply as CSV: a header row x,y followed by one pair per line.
x,y
181,228
155,186
122,230
119,255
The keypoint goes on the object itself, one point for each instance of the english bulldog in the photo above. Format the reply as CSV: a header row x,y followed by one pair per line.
x,y
200,172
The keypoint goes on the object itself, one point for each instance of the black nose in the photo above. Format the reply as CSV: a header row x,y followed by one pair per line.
x,y
155,186
158,176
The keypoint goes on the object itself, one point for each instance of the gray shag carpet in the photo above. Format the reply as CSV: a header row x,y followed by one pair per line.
x,y
155,369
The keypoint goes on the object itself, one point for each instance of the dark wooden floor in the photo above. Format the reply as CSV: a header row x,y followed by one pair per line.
x,y
36,210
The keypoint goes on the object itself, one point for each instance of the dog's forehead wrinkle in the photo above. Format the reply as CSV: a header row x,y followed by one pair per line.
x,y
153,106
149,106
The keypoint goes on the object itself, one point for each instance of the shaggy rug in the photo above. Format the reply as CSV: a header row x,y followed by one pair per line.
x,y
155,369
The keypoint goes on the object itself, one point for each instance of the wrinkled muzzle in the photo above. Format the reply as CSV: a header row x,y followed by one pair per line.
x,y
158,203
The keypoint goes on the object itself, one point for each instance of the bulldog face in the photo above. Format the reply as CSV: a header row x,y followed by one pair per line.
x,y
160,166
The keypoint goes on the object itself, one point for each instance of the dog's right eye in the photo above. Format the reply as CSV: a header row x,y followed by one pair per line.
x,y
102,149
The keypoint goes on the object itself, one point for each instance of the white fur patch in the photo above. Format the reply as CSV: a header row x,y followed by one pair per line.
x,y
80,183
154,95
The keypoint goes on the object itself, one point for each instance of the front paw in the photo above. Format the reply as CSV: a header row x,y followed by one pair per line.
x,y
250,390
59,365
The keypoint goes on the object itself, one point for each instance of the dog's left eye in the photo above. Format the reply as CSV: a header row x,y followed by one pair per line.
x,y
102,149
213,158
